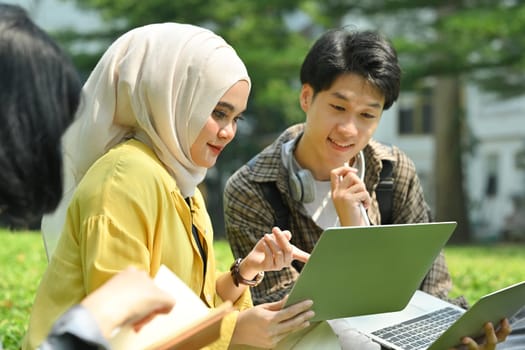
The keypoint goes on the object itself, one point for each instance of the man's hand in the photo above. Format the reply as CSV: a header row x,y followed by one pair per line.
x,y
489,341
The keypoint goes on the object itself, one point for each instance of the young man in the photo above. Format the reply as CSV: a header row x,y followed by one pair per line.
x,y
326,172
348,79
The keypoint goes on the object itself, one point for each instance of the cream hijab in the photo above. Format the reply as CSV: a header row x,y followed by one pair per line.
x,y
158,83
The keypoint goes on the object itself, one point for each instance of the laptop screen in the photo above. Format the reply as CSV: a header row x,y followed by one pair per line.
x,y
368,269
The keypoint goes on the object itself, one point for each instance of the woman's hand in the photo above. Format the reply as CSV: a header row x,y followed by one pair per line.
x,y
348,194
489,341
266,324
273,252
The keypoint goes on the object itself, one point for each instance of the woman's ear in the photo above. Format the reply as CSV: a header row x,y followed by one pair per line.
x,y
305,97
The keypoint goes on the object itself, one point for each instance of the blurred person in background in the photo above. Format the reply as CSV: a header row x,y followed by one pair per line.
x,y
39,94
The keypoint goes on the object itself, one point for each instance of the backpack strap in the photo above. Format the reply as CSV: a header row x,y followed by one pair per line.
x,y
273,196
281,210
385,191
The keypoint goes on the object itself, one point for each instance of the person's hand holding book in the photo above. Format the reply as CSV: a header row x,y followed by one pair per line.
x,y
129,298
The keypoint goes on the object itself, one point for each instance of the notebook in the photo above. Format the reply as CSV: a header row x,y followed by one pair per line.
x,y
431,323
190,325
368,269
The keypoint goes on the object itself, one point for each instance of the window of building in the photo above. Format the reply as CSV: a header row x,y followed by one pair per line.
x,y
492,165
416,114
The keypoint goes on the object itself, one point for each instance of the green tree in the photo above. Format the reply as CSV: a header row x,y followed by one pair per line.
x,y
450,41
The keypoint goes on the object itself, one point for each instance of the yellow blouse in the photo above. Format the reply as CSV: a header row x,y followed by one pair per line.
x,y
127,210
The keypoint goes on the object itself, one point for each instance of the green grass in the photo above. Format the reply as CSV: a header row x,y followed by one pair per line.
x,y
22,263
476,271
479,270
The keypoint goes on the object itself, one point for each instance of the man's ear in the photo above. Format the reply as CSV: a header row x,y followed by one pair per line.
x,y
305,97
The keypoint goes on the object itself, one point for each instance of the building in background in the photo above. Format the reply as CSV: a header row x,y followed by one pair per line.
x,y
494,170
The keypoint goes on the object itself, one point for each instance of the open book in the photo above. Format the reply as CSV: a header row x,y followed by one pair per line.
x,y
189,325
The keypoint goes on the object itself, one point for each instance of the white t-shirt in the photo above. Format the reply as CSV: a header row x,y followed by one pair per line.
x,y
322,209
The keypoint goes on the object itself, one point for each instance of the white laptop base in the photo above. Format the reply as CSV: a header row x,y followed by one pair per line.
x,y
420,304
493,307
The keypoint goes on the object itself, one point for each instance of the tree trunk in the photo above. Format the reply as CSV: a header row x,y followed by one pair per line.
x,y
450,195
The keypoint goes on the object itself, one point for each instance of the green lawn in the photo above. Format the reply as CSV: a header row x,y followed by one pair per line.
x,y
476,270
479,270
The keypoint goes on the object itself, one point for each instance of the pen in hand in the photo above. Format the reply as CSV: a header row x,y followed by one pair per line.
x,y
364,214
361,207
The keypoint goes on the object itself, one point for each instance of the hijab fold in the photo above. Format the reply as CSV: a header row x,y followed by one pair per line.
x,y
158,83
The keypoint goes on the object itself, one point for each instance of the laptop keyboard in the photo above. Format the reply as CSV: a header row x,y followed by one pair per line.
x,y
420,332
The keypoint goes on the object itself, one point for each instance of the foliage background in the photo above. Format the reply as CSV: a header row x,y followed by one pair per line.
x,y
462,40
442,45
475,270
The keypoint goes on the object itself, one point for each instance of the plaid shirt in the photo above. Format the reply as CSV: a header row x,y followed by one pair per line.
x,y
248,216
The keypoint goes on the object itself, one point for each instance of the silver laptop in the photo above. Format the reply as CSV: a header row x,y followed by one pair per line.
x,y
431,323
368,269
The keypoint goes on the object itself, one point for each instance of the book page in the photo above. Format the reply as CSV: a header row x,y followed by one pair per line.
x,y
188,309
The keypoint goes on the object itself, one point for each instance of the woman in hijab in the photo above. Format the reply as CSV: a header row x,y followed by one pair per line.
x,y
157,110
39,94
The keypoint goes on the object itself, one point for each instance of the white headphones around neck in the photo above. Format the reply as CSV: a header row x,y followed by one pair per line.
x,y
300,181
